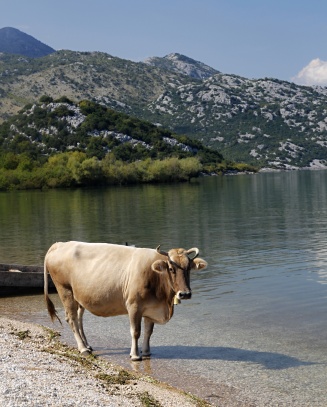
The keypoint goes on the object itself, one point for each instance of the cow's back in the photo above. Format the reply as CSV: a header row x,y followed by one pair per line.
x,y
101,276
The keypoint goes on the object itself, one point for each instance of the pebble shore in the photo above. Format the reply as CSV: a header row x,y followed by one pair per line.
x,y
37,370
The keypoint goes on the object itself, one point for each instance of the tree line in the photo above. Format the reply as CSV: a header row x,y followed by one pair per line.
x,y
75,169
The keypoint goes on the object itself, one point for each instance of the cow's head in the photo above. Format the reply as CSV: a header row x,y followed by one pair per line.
x,y
177,265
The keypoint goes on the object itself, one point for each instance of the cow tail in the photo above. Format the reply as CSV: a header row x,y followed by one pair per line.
x,y
50,305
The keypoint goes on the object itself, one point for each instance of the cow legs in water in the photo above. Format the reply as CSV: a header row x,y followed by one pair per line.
x,y
148,329
135,319
74,313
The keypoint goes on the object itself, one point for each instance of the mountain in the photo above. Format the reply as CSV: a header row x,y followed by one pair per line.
x,y
268,122
13,41
182,64
264,122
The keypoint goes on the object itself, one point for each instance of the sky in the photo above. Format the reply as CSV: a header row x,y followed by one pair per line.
x,y
282,39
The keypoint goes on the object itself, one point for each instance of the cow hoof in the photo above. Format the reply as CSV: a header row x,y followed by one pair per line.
x,y
146,355
136,358
90,348
86,352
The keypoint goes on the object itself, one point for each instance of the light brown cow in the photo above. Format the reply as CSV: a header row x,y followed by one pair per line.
x,y
109,280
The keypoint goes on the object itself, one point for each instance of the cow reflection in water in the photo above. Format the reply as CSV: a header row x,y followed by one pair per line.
x,y
110,280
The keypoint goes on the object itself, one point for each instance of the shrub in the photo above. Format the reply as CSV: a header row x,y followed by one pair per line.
x,y
46,99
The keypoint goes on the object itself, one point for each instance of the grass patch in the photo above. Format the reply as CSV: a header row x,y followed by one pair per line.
x,y
51,333
22,334
72,354
123,377
198,402
148,401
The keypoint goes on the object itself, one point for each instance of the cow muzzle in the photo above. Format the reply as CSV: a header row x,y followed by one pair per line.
x,y
184,295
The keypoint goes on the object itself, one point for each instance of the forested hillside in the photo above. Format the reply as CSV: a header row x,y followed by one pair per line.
x,y
59,143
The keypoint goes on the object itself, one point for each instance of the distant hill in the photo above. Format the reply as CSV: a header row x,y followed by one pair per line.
x,y
60,143
13,41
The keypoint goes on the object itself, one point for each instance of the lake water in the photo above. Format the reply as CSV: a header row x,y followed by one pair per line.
x,y
255,328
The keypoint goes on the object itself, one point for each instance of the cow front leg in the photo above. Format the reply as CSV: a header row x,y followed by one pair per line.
x,y
148,329
135,327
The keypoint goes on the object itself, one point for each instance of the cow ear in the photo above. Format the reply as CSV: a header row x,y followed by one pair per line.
x,y
159,266
199,264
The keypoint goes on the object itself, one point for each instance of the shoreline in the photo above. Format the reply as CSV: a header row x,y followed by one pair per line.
x,y
38,369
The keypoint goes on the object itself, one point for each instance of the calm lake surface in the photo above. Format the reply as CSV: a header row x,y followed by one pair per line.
x,y
255,327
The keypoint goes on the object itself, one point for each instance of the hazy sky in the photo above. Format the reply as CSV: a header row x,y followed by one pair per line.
x,y
283,39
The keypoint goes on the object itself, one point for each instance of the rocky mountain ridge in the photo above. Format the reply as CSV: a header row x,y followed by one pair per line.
x,y
265,122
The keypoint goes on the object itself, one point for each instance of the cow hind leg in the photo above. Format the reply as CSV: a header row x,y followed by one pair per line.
x,y
148,329
71,309
80,313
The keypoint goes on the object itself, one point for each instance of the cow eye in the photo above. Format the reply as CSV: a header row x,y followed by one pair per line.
x,y
172,270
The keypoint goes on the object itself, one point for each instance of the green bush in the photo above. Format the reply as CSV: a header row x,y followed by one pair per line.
x,y
46,99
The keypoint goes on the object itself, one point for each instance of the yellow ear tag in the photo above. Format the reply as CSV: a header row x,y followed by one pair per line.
x,y
176,300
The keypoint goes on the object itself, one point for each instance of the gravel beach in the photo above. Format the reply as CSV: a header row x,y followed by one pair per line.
x,y
36,369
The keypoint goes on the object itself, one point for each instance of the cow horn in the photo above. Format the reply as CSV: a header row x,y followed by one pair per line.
x,y
161,251
193,250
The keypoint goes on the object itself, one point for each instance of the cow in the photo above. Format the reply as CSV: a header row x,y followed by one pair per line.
x,y
109,280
